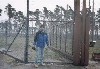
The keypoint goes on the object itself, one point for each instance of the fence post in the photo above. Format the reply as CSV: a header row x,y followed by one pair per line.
x,y
6,32
27,35
76,33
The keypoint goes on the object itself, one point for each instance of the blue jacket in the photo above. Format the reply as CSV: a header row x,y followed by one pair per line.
x,y
40,39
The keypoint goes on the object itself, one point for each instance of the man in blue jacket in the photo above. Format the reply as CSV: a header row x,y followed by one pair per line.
x,y
40,40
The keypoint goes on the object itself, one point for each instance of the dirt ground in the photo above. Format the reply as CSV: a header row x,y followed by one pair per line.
x,y
54,66
13,65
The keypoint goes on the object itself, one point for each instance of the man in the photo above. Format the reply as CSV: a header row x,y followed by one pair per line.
x,y
40,40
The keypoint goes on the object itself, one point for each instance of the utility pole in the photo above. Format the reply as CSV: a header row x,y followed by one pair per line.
x,y
85,36
77,33
27,35
80,35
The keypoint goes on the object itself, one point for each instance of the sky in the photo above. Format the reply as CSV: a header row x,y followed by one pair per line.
x,y
21,5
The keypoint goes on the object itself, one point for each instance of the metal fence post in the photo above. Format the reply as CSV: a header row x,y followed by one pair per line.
x,y
56,36
60,38
6,33
66,36
27,35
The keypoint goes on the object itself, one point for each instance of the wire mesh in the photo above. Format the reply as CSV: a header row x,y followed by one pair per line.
x,y
12,41
61,35
2,39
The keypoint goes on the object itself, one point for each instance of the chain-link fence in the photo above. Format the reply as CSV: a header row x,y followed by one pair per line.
x,y
12,40
61,35
15,32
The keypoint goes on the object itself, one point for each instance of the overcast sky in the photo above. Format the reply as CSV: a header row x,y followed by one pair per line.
x,y
20,5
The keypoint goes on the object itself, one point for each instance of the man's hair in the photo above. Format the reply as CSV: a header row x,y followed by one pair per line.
x,y
41,26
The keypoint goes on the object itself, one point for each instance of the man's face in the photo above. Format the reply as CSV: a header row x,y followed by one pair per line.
x,y
42,29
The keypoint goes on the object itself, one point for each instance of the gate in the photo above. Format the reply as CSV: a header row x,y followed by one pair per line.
x,y
60,33
12,40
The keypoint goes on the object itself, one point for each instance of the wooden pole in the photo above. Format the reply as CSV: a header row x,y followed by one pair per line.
x,y
86,54
84,36
83,32
76,34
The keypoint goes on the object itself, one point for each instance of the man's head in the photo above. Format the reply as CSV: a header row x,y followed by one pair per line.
x,y
42,28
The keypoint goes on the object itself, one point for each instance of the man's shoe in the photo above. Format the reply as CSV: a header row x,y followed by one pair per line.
x,y
35,65
43,64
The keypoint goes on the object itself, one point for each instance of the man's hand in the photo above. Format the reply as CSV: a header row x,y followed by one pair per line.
x,y
33,48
